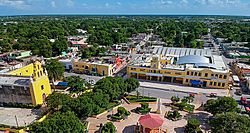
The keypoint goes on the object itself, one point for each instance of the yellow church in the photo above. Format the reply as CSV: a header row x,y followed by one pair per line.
x,y
25,84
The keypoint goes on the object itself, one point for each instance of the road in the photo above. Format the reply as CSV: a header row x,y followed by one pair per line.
x,y
167,94
88,78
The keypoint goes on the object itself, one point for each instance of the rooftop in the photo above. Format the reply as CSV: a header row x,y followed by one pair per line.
x,y
244,66
184,57
192,59
179,52
14,80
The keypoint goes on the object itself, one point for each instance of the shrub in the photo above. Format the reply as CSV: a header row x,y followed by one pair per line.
x,y
184,100
121,114
175,99
173,115
144,105
121,110
116,117
144,109
108,128
181,105
189,108
193,126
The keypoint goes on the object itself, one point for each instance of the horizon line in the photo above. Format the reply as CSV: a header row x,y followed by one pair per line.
x,y
119,14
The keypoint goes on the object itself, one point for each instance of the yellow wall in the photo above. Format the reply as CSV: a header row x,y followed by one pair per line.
x,y
24,71
81,66
219,80
39,79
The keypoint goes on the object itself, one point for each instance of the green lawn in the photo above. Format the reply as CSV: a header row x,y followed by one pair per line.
x,y
134,99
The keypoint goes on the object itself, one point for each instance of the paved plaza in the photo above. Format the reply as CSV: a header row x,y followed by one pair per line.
x,y
127,126
23,116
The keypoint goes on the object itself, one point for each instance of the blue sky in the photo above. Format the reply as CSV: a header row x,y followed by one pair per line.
x,y
168,7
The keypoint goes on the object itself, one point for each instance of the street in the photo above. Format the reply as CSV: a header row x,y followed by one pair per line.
x,y
88,78
167,94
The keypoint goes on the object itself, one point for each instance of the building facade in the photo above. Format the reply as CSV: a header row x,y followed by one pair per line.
x,y
20,54
93,68
28,84
193,70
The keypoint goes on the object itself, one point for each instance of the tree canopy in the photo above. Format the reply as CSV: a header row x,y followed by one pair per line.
x,y
115,86
55,69
221,105
59,123
108,128
76,83
230,122
193,126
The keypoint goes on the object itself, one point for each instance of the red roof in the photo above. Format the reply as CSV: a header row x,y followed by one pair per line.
x,y
245,70
150,121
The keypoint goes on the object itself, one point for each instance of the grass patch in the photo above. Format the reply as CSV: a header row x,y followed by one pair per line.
x,y
135,99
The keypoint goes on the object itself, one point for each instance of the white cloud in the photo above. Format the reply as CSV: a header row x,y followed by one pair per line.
x,y
218,2
107,5
70,3
184,2
19,4
166,2
119,3
161,2
53,4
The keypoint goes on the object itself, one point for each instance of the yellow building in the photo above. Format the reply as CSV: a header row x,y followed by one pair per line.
x,y
93,67
193,70
26,84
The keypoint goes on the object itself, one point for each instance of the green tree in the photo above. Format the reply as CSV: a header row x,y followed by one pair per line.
x,y
55,70
108,128
193,126
58,101
175,99
221,105
59,46
59,123
76,83
132,84
230,122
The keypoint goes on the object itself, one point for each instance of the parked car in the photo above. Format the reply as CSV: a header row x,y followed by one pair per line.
x,y
247,109
192,95
212,95
243,100
238,92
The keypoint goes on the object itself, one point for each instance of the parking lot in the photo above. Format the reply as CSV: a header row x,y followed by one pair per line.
x,y
17,116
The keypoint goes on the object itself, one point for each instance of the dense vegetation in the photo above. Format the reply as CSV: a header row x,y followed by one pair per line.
x,y
105,92
108,128
77,84
34,33
193,126
59,122
239,32
230,123
226,117
221,105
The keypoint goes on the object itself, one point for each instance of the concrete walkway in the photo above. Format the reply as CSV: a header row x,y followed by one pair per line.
x,y
181,88
128,125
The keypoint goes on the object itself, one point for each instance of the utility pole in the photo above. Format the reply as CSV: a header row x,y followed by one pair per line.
x,y
16,121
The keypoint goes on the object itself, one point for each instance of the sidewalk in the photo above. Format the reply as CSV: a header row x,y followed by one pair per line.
x,y
181,88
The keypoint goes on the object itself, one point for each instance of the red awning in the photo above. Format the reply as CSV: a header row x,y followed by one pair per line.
x,y
150,121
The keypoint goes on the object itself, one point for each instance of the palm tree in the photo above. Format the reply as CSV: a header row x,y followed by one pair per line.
x,y
55,70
